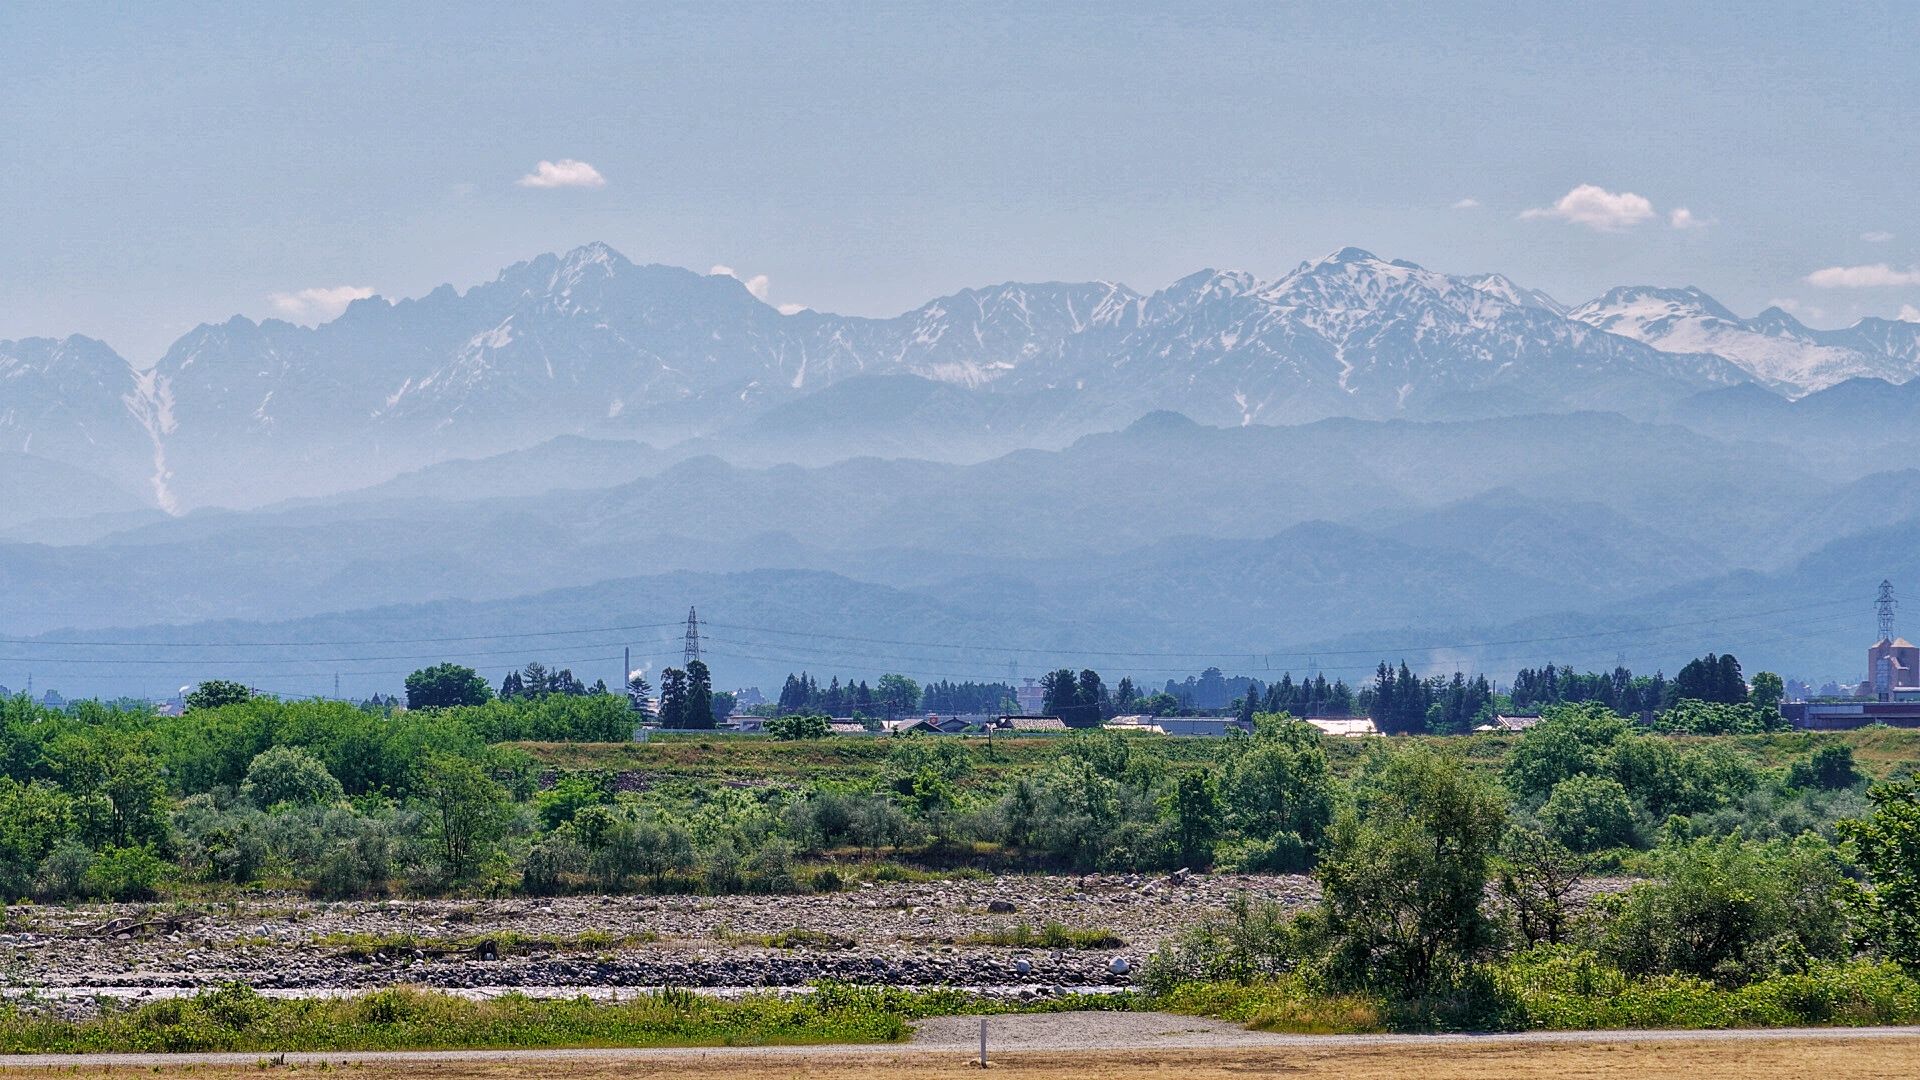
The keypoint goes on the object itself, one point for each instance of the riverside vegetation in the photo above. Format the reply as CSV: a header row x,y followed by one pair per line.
x,y
1774,880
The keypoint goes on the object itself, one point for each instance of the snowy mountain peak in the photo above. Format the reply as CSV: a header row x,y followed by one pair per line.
x,y
1349,255
1505,288
1774,320
1650,302
1773,347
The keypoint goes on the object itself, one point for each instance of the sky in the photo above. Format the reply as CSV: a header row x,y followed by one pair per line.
x,y
167,164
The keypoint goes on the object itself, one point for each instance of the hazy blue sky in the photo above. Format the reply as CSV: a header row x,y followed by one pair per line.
x,y
171,163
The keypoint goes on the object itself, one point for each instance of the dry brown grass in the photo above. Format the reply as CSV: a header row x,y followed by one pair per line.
x,y
1854,1059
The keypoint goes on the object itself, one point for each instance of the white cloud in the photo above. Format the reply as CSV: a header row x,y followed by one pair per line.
x,y
562,174
1908,313
317,305
1468,203
757,284
795,309
1876,237
1597,208
1683,218
1873,276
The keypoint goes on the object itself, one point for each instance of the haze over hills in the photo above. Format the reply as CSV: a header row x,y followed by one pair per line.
x,y
588,343
1165,535
1359,454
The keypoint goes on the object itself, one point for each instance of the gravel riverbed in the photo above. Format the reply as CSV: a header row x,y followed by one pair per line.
x,y
893,934
909,935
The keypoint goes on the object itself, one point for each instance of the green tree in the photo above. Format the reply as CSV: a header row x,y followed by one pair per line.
x,y
215,693
289,776
1091,695
1569,740
699,696
1194,808
897,695
1589,813
1538,878
466,813
640,694
119,793
1766,692
1060,693
444,686
1887,843
673,698
124,873
799,726
34,819
1279,794
1690,716
1404,874
1831,768
1710,678
535,680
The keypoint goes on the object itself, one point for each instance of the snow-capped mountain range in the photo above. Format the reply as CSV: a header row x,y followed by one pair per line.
x,y
588,342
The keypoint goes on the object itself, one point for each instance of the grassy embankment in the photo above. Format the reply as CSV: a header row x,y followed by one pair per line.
x,y
753,761
234,1018
1566,992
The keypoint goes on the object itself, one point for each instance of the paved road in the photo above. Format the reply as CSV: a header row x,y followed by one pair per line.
x,y
1058,1032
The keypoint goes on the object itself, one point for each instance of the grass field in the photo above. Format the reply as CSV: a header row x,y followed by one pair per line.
x,y
1862,1059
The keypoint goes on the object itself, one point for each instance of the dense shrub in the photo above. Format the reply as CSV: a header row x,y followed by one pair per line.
x,y
1730,910
1589,813
289,776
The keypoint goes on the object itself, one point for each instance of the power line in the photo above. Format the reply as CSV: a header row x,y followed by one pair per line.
x,y
1253,656
502,636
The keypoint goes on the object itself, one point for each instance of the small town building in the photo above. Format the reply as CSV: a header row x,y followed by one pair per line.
x,y
1346,727
1893,665
1846,715
1507,725
1030,696
1027,725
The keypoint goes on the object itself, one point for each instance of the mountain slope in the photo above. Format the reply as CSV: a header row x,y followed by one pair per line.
x,y
75,401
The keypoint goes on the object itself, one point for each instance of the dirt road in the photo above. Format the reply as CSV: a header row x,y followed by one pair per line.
x,y
1113,1045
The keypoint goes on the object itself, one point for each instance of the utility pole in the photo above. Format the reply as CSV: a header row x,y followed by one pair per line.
x,y
1885,605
